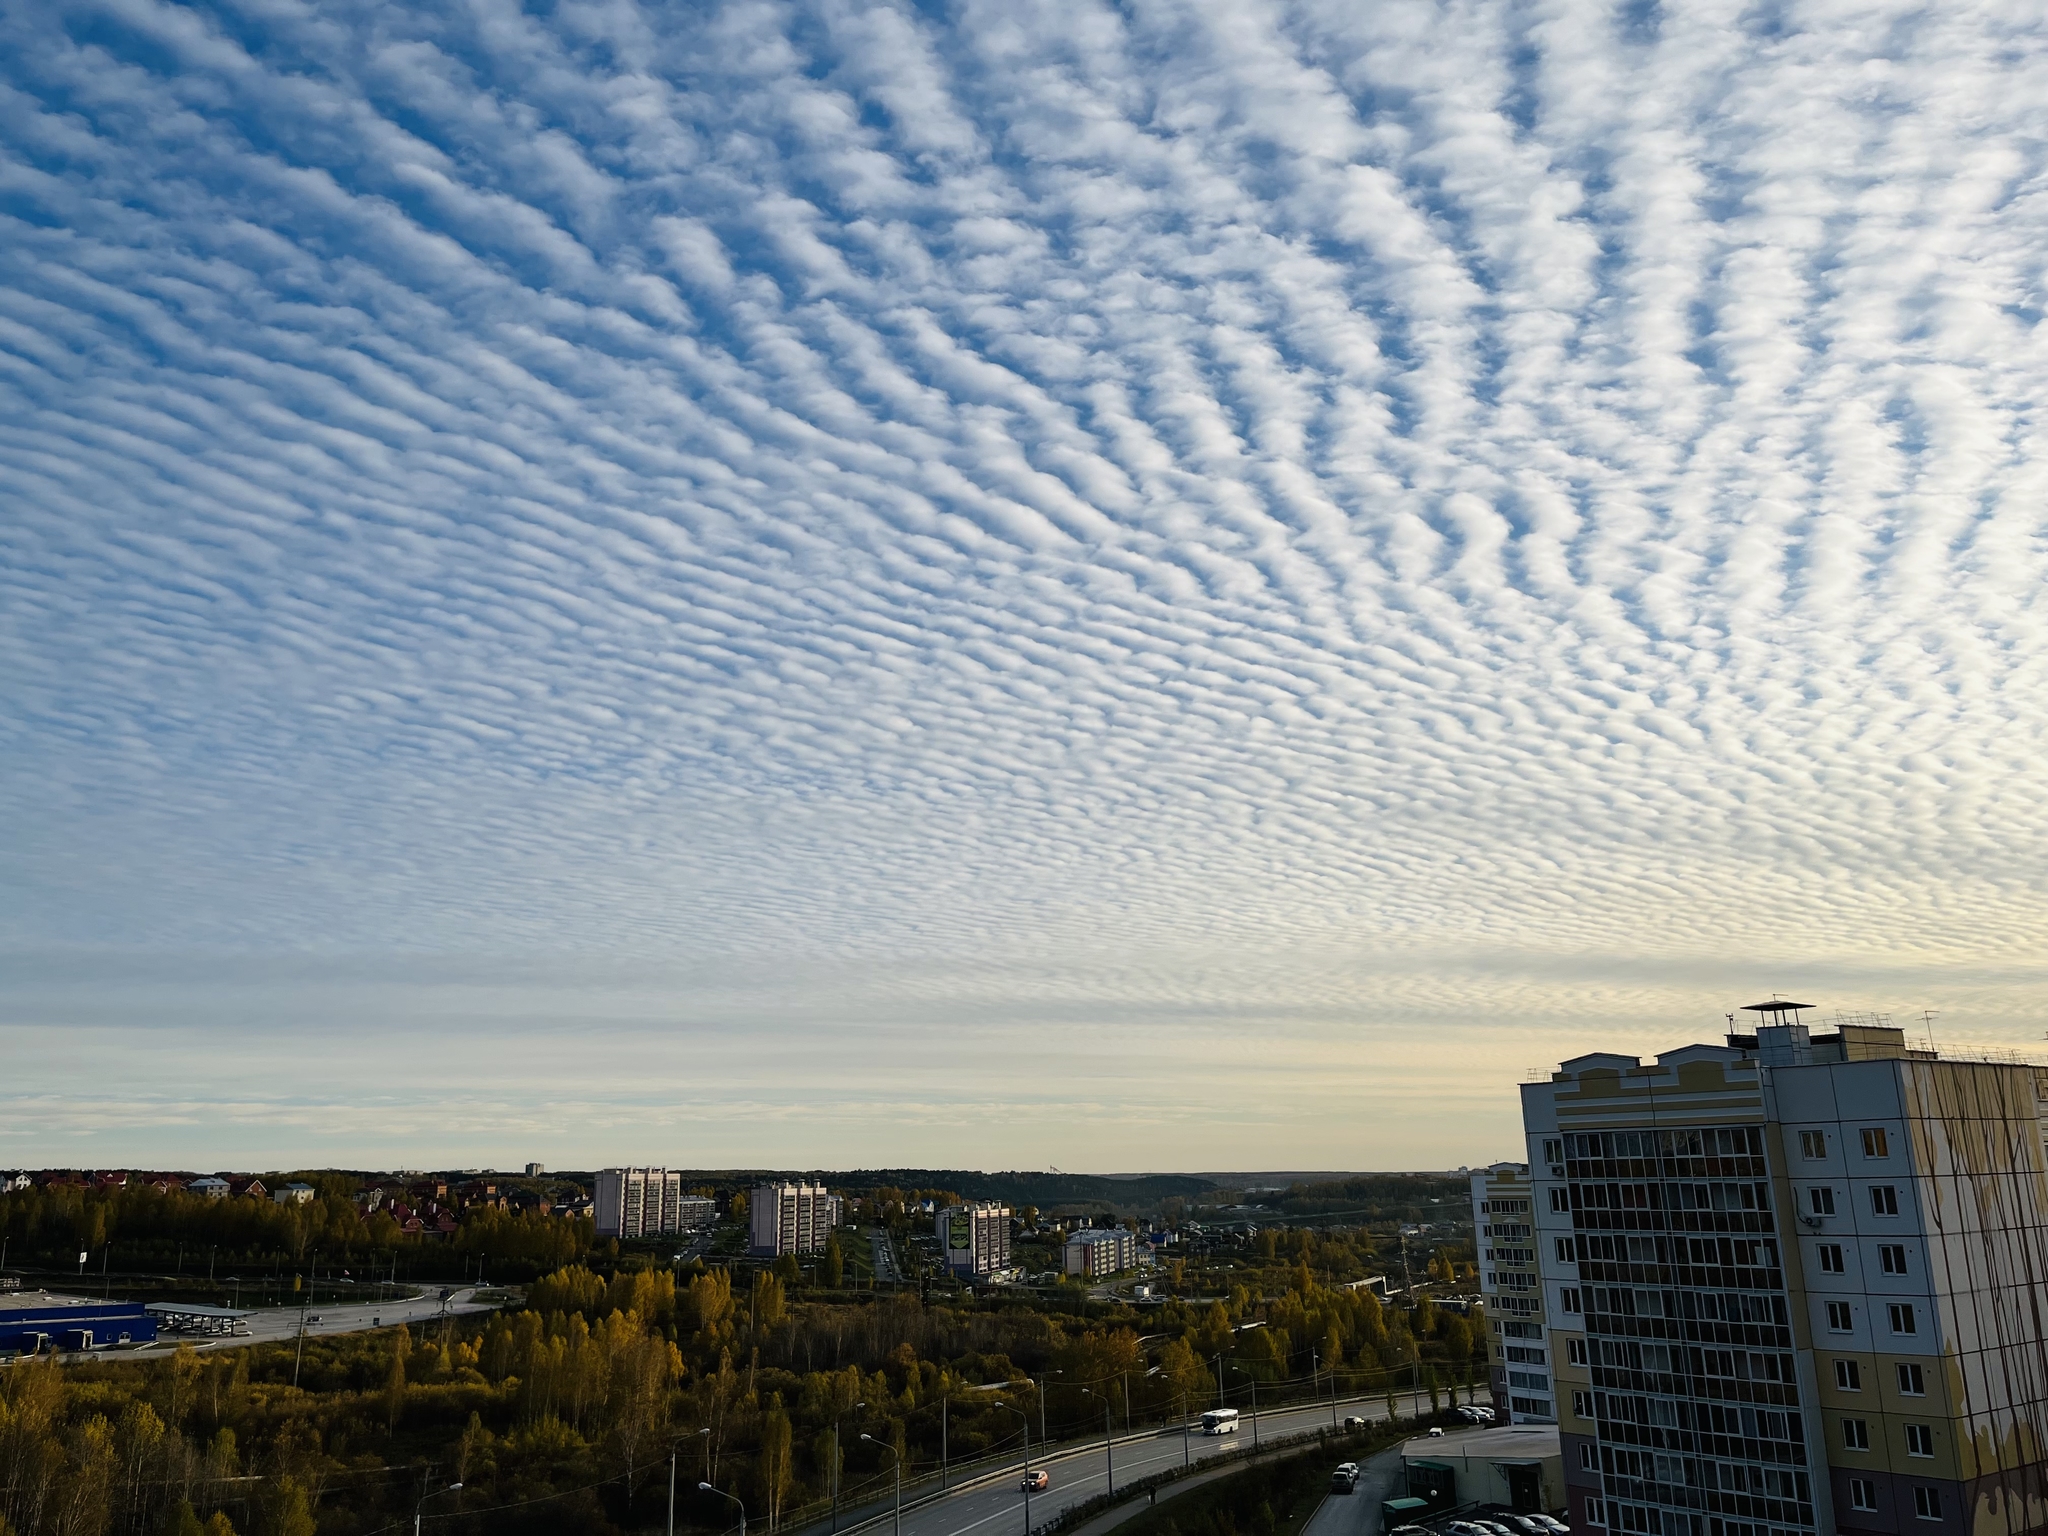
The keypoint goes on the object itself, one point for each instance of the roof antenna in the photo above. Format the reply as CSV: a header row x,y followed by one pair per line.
x,y
1927,1017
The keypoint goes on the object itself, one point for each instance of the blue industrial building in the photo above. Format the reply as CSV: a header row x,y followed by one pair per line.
x,y
34,1321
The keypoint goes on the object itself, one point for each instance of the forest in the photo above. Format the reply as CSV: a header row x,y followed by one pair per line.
x,y
562,1415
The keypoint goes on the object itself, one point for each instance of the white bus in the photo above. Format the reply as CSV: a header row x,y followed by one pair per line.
x,y
1220,1421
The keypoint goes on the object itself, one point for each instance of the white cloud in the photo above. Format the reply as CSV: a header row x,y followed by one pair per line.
x,y
1013,540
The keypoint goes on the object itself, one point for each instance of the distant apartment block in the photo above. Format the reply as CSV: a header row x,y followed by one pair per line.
x,y
535,1170
638,1202
1518,1355
975,1239
791,1218
1791,1285
1101,1251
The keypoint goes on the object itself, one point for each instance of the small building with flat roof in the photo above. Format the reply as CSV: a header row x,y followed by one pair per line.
x,y
32,1322
1519,1467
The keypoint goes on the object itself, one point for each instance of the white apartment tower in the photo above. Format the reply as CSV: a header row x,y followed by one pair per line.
x,y
791,1218
638,1202
1792,1285
975,1238
1518,1363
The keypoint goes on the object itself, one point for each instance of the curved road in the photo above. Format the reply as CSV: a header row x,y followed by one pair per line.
x,y
274,1325
996,1507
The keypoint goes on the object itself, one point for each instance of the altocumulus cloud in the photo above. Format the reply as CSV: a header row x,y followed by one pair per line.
x,y
1119,584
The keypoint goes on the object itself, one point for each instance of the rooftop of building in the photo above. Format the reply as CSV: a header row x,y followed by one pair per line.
x,y
1786,1042
1507,1442
45,1301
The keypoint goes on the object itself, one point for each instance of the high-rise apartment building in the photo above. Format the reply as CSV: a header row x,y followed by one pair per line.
x,y
975,1238
1794,1284
1511,1287
638,1202
791,1218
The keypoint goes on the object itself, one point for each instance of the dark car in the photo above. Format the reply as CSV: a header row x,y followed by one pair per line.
x,y
1035,1481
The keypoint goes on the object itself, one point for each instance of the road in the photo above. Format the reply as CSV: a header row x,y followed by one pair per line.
x,y
272,1324
997,1507
1358,1513
886,1269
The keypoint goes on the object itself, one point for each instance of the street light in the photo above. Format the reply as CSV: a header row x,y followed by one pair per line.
x,y
837,1420
1180,1398
1108,1456
1026,1419
1255,1394
672,1475
451,1488
707,1488
898,1455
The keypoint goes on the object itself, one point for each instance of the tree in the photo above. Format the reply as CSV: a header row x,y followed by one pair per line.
x,y
787,1270
220,1525
394,1378
768,1306
774,1469
832,1267
287,1510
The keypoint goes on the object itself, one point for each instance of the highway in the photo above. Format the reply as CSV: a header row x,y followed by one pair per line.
x,y
996,1507
271,1325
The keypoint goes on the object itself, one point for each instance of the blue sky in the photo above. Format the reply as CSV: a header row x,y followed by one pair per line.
x,y
999,585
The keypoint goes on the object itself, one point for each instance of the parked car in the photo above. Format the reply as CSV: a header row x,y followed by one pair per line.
x,y
1345,1478
1551,1523
1436,1431
1035,1481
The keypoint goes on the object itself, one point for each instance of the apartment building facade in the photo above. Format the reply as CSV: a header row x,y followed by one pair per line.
x,y
1511,1286
790,1218
1101,1251
1792,1284
638,1202
975,1238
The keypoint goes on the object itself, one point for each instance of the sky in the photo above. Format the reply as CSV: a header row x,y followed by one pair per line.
x,y
989,585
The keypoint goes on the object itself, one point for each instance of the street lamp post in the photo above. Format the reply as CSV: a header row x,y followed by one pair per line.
x,y
416,1516
1108,1455
1255,1394
898,1455
730,1499
837,1420
672,1452
1026,1420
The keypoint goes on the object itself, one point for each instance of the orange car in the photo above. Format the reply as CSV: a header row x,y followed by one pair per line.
x,y
1035,1482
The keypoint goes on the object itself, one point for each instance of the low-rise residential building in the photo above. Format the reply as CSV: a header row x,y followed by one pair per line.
x,y
975,1238
294,1193
1101,1251
210,1187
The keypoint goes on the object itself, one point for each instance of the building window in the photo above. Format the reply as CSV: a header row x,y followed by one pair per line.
x,y
1862,1493
1855,1434
1560,1199
1564,1251
1911,1384
1813,1145
1891,1258
1848,1376
1575,1351
1553,1150
1875,1143
1927,1503
1589,1458
1901,1314
1839,1318
1919,1439
1568,1299
1831,1258
1822,1199
1596,1512
1582,1407
1884,1200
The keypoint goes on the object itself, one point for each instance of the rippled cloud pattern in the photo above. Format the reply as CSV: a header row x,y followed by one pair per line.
x,y
1278,562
